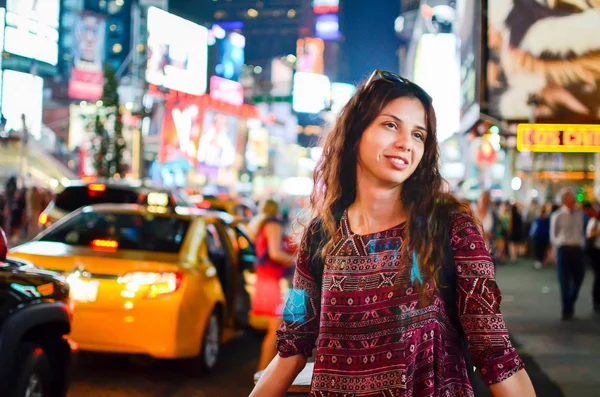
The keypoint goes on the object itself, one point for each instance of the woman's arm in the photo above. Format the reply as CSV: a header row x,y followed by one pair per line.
x,y
516,386
478,307
278,376
273,232
297,335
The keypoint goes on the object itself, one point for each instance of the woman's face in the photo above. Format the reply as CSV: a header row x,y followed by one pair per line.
x,y
392,146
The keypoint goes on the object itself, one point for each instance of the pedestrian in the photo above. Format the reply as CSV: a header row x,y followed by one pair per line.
x,y
540,235
593,252
272,260
367,291
566,234
34,206
515,233
485,214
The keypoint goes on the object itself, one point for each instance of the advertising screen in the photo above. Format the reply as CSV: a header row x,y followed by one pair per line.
x,y
87,75
226,90
177,53
468,32
257,148
325,6
230,56
32,29
437,71
544,56
180,133
327,27
309,54
311,92
340,95
217,146
46,12
15,105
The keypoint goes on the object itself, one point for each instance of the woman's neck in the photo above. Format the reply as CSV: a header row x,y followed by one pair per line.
x,y
375,210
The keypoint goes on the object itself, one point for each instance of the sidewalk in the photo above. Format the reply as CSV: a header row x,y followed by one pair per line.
x,y
567,352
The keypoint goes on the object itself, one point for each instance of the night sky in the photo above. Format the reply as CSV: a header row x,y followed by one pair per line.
x,y
370,40
368,28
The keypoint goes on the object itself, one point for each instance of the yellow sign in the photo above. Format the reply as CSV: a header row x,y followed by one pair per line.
x,y
575,138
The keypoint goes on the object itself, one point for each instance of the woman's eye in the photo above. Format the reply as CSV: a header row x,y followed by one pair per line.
x,y
391,125
419,135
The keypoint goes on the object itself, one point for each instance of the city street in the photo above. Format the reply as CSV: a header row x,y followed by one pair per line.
x,y
561,358
569,352
98,375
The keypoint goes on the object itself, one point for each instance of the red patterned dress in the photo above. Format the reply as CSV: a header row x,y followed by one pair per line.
x,y
373,335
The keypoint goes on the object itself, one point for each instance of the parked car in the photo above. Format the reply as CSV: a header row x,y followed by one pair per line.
x,y
35,320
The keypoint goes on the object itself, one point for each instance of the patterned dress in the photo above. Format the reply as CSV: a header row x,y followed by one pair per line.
x,y
375,336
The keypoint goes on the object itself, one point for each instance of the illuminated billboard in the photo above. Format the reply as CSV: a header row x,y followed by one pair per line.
x,y
311,92
468,32
434,50
217,146
15,104
545,55
325,6
229,54
177,53
340,95
227,91
32,29
87,74
180,133
562,138
257,148
309,54
327,27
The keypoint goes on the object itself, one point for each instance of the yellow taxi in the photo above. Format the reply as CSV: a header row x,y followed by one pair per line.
x,y
149,279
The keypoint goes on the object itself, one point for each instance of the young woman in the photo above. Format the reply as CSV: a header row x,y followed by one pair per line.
x,y
272,259
376,317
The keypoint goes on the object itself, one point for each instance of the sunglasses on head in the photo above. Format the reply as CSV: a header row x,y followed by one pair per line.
x,y
395,78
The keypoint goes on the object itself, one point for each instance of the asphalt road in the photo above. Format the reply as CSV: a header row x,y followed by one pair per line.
x,y
98,375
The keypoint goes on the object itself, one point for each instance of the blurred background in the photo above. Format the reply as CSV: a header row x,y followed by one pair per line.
x,y
226,101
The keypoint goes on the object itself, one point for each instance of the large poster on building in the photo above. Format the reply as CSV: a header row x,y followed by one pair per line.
x,y
87,75
544,55
177,53
468,32
32,29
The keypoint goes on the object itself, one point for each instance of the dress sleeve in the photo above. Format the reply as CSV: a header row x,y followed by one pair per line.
x,y
300,328
478,300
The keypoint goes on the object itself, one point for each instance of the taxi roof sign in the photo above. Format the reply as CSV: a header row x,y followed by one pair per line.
x,y
558,138
158,199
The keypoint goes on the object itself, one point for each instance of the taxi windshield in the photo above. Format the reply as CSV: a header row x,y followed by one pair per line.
x,y
129,231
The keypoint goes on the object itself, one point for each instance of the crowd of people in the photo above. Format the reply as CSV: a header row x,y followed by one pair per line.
x,y
565,236
20,209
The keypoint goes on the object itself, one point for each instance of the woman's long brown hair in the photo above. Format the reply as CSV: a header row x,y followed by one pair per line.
x,y
423,197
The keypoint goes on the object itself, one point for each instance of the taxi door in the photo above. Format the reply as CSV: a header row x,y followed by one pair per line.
x,y
220,253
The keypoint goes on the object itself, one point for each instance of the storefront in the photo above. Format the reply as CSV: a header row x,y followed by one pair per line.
x,y
554,156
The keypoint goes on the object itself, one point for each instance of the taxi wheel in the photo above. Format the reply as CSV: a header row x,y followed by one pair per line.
x,y
211,343
34,375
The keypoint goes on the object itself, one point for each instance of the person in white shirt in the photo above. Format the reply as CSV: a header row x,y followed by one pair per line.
x,y
593,232
566,234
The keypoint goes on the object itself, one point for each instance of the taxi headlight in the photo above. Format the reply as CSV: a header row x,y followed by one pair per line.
x,y
158,283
